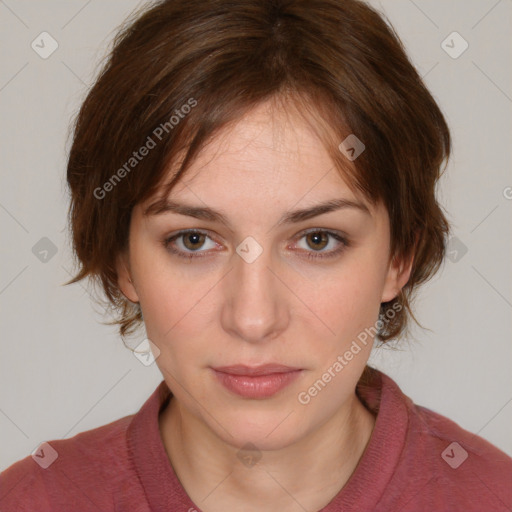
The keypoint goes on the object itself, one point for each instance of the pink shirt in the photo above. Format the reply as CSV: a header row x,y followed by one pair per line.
x,y
416,460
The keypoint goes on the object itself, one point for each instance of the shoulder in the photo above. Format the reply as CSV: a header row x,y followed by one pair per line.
x,y
87,467
449,467
458,444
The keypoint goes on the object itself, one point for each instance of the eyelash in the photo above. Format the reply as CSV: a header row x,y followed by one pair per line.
x,y
312,255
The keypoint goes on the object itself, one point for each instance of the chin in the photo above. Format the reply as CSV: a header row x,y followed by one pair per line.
x,y
266,430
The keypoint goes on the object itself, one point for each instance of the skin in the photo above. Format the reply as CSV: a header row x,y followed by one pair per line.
x,y
220,310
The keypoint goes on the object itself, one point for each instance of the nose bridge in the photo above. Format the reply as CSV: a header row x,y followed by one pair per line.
x,y
255,308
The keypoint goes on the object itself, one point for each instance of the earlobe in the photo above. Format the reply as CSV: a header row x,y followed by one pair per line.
x,y
124,280
398,274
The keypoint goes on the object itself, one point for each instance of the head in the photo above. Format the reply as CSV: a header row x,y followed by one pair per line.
x,y
229,124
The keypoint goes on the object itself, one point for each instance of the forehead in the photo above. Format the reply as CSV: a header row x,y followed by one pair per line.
x,y
270,154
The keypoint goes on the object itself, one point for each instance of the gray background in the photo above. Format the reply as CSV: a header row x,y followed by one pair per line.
x,y
63,372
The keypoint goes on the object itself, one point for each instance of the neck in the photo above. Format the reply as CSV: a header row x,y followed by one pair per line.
x,y
311,471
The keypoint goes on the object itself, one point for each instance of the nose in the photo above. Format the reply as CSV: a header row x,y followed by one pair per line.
x,y
256,302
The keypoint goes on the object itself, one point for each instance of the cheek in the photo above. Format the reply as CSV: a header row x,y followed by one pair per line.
x,y
174,297
350,298
172,303
156,289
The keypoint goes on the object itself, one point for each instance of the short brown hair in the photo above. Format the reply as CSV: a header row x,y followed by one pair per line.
x,y
338,60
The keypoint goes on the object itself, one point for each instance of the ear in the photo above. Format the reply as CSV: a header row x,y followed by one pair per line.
x,y
399,272
124,279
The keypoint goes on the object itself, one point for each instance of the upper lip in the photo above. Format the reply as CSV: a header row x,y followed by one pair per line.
x,y
265,369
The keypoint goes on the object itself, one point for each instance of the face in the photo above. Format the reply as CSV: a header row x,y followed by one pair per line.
x,y
259,286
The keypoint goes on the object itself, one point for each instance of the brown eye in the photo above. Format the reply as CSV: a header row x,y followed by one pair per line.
x,y
189,244
318,239
315,241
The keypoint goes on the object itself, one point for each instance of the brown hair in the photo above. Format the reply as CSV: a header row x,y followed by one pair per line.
x,y
183,69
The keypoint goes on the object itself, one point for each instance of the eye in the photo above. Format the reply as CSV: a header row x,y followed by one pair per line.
x,y
191,241
319,239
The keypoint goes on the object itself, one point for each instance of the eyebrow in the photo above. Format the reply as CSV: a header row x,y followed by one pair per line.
x,y
290,217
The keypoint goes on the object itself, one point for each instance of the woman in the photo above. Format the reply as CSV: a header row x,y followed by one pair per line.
x,y
255,181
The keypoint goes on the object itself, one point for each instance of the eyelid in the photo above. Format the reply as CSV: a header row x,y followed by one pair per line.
x,y
337,232
182,232
337,235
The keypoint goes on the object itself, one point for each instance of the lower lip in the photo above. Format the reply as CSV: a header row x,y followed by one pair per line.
x,y
260,386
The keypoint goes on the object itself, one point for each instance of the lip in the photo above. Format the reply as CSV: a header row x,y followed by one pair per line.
x,y
256,382
263,369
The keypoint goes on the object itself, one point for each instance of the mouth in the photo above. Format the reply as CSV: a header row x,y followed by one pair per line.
x,y
256,382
